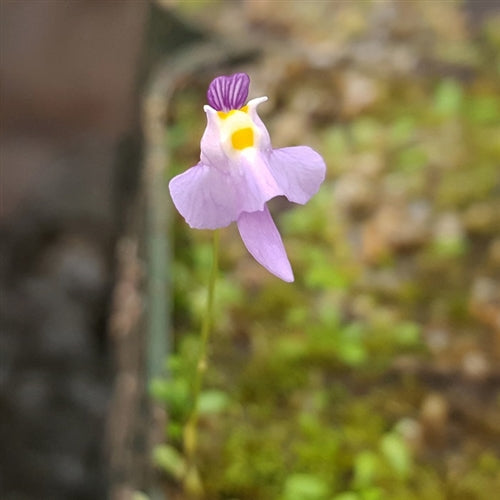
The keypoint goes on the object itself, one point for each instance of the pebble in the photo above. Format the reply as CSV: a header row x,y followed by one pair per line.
x,y
434,416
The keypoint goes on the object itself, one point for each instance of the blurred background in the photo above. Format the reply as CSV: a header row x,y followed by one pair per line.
x,y
374,376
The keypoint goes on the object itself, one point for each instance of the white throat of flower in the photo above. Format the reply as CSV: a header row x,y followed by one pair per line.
x,y
238,131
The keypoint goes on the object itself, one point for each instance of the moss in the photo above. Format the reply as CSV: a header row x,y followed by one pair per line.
x,y
312,379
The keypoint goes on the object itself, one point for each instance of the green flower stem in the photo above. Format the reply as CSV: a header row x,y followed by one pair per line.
x,y
192,482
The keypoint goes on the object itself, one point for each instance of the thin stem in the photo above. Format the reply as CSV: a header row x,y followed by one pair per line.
x,y
192,482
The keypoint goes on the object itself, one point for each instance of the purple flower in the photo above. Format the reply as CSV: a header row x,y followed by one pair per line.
x,y
239,172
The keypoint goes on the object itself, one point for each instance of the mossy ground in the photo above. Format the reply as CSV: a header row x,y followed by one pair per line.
x,y
374,375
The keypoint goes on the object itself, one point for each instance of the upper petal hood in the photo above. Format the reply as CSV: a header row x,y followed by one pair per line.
x,y
228,92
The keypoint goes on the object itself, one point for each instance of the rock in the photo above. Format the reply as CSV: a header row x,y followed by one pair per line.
x,y
438,339
494,253
355,194
484,303
395,228
412,432
475,365
482,218
358,93
448,234
434,416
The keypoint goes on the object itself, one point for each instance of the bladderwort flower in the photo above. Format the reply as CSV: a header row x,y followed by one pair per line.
x,y
239,172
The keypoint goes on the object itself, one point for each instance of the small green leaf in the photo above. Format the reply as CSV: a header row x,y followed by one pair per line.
x,y
365,469
372,494
174,392
170,460
408,334
448,98
139,495
402,130
174,430
347,495
305,487
351,349
352,353
483,109
366,132
396,453
411,159
212,401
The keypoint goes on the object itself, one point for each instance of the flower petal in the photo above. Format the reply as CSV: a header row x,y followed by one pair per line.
x,y
299,172
209,197
212,151
264,139
262,239
228,92
199,196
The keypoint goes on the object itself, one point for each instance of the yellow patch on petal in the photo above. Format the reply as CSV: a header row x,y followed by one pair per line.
x,y
226,114
242,138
